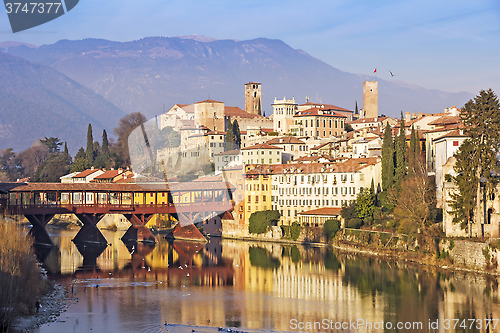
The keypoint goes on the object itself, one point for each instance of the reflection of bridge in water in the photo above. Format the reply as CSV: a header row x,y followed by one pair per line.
x,y
181,266
186,202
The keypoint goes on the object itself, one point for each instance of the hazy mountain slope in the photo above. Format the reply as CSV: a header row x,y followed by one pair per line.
x,y
144,75
37,101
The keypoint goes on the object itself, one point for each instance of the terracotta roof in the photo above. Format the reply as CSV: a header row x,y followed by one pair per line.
x,y
330,211
109,174
325,106
267,130
322,145
209,179
117,187
234,111
368,120
208,101
285,140
216,133
316,112
85,173
455,134
446,120
261,146
350,165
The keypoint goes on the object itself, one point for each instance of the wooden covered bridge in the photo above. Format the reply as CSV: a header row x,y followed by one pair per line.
x,y
186,202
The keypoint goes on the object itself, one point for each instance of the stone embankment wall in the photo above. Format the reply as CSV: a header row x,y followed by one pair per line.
x,y
380,238
471,255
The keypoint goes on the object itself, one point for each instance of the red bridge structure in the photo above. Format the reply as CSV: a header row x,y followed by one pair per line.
x,y
187,202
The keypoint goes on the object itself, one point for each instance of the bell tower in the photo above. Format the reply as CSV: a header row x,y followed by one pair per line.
x,y
253,102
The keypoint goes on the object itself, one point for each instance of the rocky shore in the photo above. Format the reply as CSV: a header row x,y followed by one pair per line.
x,y
52,304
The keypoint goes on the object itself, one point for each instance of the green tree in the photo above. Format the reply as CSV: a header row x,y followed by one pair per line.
x,y
400,147
236,134
229,138
412,151
476,160
259,109
10,165
356,111
365,205
54,167
90,152
330,228
80,162
387,159
259,222
52,144
105,144
174,139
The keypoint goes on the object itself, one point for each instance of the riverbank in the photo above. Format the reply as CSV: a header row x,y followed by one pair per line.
x,y
415,257
53,303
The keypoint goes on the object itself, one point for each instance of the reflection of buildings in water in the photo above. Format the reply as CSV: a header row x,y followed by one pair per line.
x,y
470,297
212,252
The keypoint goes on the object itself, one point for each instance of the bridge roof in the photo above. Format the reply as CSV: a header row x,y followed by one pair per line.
x,y
122,187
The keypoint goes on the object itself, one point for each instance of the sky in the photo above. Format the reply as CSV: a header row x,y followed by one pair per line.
x,y
450,45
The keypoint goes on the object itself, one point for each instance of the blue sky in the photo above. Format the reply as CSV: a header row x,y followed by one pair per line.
x,y
447,45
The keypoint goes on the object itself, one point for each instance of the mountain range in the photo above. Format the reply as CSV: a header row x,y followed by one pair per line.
x,y
57,89
144,75
37,101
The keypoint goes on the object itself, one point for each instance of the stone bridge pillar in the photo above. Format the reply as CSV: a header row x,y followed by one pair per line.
x,y
89,233
38,232
138,232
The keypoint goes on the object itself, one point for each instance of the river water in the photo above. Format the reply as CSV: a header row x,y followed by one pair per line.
x,y
263,287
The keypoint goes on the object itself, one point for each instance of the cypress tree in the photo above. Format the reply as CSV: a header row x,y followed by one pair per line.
x,y
356,111
259,112
400,146
90,148
236,134
105,144
387,159
229,139
412,151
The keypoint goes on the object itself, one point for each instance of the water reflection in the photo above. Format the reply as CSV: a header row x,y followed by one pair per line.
x,y
255,286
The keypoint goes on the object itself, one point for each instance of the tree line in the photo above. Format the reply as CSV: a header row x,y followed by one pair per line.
x,y
44,161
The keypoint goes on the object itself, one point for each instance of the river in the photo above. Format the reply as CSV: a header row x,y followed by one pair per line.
x,y
252,286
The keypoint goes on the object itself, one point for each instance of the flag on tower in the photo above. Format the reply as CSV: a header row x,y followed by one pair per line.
x,y
375,71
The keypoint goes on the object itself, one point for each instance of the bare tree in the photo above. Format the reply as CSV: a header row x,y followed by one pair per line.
x,y
125,126
32,158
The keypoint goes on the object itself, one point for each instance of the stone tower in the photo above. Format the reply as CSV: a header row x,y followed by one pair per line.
x,y
370,99
252,97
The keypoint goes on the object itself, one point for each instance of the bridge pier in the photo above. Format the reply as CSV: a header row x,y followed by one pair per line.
x,y
89,233
138,232
38,232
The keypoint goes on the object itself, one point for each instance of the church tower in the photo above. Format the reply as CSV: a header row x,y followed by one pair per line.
x,y
253,97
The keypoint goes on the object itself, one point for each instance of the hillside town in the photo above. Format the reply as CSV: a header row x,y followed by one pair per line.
x,y
306,161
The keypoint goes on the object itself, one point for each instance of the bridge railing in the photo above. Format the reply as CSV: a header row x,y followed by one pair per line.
x,y
19,208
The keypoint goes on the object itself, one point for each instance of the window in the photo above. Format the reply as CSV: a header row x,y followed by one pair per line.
x,y
455,143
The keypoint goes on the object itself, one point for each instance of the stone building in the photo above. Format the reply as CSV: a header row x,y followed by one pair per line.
x,y
283,112
253,98
370,99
